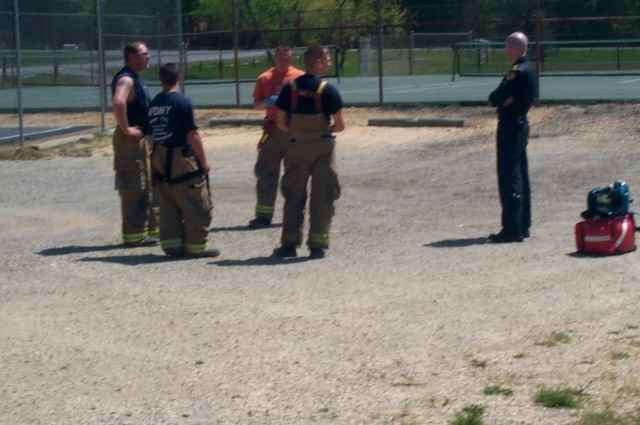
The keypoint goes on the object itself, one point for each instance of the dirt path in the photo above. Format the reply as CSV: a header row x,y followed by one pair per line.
x,y
408,320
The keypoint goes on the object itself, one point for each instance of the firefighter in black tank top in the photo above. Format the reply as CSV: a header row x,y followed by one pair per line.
x,y
131,150
310,110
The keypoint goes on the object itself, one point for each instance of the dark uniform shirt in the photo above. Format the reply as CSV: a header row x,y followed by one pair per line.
x,y
171,118
520,83
330,98
137,115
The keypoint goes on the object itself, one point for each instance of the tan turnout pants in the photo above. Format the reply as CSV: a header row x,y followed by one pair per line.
x,y
267,171
309,155
133,183
185,207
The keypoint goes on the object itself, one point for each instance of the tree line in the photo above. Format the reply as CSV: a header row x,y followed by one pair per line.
x,y
259,23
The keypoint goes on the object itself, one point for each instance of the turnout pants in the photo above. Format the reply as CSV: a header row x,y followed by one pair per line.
x,y
185,206
309,155
133,183
513,176
267,170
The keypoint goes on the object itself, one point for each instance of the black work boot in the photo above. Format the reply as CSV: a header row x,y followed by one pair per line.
x,y
316,253
259,222
285,252
504,237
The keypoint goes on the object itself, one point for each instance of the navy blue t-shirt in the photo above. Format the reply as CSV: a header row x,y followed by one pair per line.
x,y
171,118
330,98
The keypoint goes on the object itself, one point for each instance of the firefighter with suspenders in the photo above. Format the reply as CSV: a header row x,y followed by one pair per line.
x,y
310,110
180,171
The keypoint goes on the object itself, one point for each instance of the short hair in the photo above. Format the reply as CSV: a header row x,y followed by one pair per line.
x,y
169,74
283,48
132,48
313,53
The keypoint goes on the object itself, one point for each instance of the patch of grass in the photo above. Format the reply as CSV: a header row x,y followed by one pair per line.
x,y
21,154
83,147
470,415
519,356
479,363
328,413
498,390
619,355
558,398
554,339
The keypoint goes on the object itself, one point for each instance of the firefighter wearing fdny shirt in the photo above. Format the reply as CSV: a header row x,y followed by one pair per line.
x,y
180,171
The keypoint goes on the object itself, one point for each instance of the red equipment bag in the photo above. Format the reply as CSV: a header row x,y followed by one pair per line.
x,y
606,235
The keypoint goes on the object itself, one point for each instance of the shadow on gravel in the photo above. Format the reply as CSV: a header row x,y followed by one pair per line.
x,y
242,228
457,243
129,260
582,255
261,261
75,249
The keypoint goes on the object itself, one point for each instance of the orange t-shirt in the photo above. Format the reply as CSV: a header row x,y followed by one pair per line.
x,y
271,82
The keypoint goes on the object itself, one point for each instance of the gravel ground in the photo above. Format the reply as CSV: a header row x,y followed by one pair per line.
x,y
408,320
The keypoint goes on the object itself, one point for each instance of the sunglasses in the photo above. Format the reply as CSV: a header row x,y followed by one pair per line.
x,y
146,54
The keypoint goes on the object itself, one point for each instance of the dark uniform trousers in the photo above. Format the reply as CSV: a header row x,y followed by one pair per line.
x,y
267,170
309,154
513,176
133,183
185,207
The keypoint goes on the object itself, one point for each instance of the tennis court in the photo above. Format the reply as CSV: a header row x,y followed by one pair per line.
x,y
430,89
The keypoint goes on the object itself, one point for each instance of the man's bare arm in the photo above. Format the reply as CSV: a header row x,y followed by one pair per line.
x,y
123,91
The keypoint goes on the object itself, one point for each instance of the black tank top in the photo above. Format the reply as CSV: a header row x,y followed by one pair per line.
x,y
138,109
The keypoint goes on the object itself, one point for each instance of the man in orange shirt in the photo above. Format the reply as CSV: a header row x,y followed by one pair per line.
x,y
273,141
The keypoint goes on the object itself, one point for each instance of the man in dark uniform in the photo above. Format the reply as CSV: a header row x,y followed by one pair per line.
x,y
180,171
310,110
131,151
513,98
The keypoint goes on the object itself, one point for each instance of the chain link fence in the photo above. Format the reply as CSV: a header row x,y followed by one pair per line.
x,y
65,61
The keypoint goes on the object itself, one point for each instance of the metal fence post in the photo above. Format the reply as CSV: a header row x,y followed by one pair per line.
x,y
102,67
235,51
16,16
380,53
183,62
